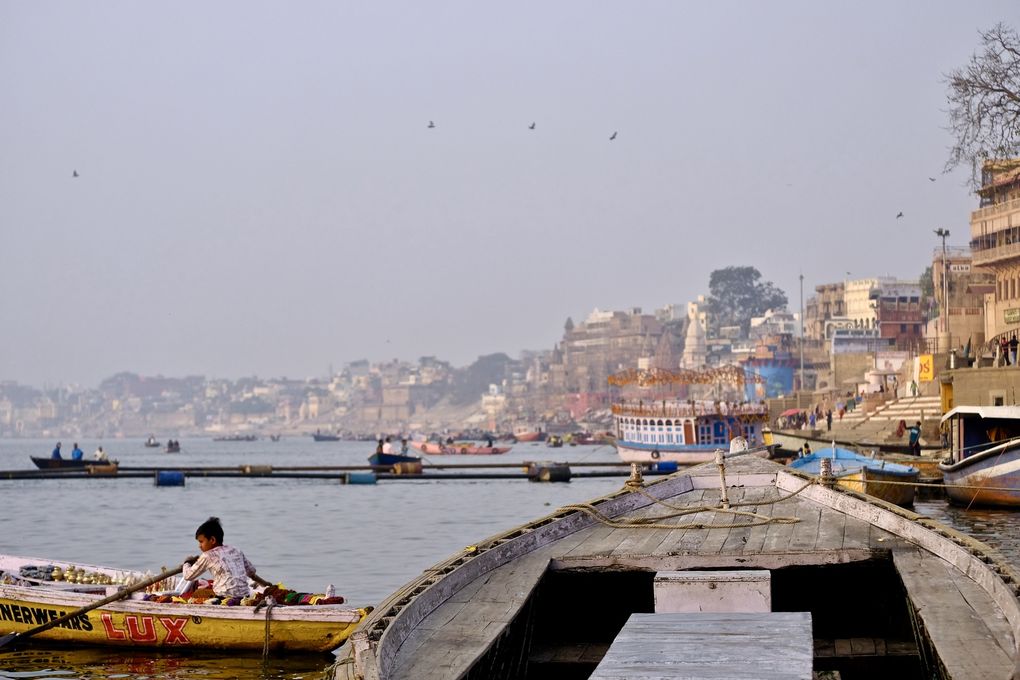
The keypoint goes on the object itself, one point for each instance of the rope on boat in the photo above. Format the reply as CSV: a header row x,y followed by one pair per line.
x,y
655,521
270,603
934,485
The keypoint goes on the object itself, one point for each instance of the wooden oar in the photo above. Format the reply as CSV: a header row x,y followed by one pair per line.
x,y
119,595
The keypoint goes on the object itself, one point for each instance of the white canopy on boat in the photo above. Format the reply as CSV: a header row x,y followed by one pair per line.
x,y
984,412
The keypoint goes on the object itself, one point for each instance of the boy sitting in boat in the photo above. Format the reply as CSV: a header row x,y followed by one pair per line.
x,y
229,567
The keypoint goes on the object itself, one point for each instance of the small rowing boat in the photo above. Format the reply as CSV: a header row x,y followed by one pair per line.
x,y
891,482
35,591
44,463
391,459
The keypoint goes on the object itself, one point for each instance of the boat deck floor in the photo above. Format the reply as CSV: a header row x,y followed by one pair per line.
x,y
954,611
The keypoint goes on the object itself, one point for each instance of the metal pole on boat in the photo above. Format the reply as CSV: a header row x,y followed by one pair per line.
x,y
720,460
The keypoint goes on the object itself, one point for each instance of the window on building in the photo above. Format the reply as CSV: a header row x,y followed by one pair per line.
x,y
903,328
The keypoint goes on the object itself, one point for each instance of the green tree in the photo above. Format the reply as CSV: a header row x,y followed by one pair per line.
x,y
735,294
984,102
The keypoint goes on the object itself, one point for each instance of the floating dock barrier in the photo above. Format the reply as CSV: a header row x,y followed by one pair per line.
x,y
169,478
548,472
358,478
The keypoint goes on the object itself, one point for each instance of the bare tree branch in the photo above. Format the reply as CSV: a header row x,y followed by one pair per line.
x,y
984,102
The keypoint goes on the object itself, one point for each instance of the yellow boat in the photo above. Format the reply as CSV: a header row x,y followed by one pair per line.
x,y
28,599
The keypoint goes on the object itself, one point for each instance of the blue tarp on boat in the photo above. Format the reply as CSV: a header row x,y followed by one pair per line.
x,y
845,461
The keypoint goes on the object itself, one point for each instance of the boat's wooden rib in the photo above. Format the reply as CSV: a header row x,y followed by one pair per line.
x,y
954,612
472,605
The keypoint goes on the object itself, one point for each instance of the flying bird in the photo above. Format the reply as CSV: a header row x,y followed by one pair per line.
x,y
431,124
899,214
612,136
74,173
531,127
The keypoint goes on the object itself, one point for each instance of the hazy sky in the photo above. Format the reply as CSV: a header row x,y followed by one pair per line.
x,y
259,192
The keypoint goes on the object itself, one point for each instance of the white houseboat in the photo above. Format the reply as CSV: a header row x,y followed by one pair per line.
x,y
685,431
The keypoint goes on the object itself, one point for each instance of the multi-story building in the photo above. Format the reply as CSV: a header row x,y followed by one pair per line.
x,y
899,316
860,308
607,342
828,304
995,244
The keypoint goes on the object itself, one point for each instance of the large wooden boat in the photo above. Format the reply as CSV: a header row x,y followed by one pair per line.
x,y
46,463
27,601
529,436
756,580
458,449
892,482
984,459
685,432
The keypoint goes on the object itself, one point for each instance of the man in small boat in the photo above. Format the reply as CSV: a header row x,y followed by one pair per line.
x,y
100,454
229,567
403,447
488,440
387,446
379,447
56,452
807,449
76,453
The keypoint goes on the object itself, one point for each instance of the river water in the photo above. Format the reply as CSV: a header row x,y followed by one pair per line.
x,y
366,540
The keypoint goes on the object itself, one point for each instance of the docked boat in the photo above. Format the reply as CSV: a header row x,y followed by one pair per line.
x,y
792,440
685,432
458,449
46,463
31,596
746,574
984,458
392,459
891,482
529,436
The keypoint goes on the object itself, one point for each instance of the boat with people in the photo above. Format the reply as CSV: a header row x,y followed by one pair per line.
x,y
152,442
47,463
554,441
748,570
458,449
35,591
392,458
983,467
892,482
325,437
172,446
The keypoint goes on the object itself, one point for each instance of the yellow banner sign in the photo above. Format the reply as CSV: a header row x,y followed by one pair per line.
x,y
926,368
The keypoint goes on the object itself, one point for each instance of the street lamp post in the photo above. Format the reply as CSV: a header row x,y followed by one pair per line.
x,y
944,312
801,332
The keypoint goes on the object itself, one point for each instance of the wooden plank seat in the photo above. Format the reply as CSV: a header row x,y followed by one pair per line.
x,y
711,646
971,641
